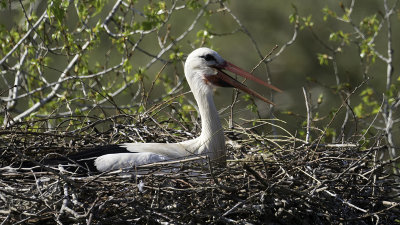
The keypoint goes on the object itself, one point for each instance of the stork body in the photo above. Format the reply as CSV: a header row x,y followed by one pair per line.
x,y
203,69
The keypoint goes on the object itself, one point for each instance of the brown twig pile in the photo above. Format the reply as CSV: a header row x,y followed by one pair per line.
x,y
335,184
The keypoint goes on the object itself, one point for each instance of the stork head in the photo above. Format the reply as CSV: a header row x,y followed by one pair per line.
x,y
205,68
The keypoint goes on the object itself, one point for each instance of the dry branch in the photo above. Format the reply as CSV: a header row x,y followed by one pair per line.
x,y
342,184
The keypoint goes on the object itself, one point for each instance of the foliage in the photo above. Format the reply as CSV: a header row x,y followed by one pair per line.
x,y
363,102
83,56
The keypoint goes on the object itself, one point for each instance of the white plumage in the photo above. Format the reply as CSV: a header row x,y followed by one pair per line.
x,y
203,70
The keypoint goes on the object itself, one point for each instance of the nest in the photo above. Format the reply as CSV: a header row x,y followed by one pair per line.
x,y
263,183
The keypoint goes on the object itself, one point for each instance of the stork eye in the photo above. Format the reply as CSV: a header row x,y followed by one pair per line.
x,y
208,57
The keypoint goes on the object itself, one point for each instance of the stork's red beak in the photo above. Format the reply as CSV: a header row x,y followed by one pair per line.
x,y
224,80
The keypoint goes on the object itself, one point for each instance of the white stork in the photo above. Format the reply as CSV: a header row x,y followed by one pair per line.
x,y
203,69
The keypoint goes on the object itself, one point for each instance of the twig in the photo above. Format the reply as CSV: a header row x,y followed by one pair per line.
x,y
338,110
52,94
306,98
16,46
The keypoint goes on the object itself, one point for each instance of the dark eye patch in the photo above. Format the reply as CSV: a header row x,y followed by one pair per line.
x,y
208,57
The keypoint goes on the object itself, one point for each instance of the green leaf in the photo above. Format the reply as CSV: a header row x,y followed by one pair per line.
x,y
246,97
57,9
252,107
307,21
193,4
127,66
358,110
323,59
99,5
320,98
376,109
292,18
327,12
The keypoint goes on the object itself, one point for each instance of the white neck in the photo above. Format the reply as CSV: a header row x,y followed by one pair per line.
x,y
211,140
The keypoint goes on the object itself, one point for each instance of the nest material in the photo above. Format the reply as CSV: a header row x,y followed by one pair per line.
x,y
266,185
